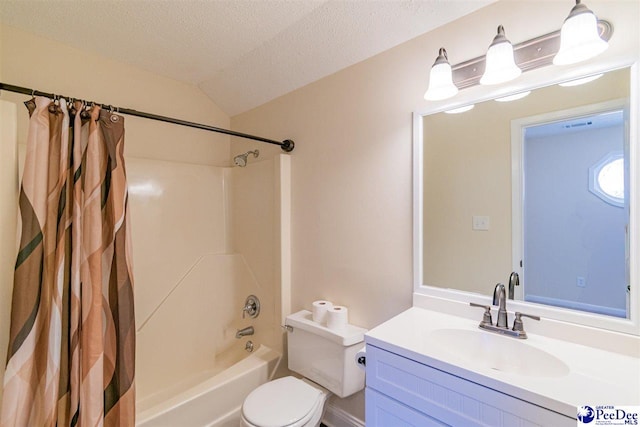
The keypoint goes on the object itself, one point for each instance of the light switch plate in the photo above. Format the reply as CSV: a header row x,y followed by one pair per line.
x,y
480,223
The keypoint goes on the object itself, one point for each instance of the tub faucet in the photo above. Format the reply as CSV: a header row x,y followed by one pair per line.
x,y
244,332
500,299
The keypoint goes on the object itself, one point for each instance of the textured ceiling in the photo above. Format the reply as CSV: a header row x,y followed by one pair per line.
x,y
241,53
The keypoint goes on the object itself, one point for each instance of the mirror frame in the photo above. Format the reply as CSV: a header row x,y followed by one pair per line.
x,y
531,81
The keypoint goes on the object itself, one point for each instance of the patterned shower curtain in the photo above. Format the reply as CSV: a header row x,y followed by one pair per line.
x,y
71,352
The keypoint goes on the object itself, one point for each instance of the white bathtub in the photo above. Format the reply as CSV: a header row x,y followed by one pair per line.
x,y
214,401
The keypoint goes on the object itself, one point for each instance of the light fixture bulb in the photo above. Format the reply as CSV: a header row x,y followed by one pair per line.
x,y
440,79
500,64
579,37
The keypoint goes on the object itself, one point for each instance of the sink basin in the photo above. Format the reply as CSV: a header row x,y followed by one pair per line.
x,y
497,352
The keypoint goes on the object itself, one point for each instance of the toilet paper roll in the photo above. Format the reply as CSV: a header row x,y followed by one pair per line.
x,y
337,317
319,311
361,358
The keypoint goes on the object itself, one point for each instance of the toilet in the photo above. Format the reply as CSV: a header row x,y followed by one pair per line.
x,y
325,358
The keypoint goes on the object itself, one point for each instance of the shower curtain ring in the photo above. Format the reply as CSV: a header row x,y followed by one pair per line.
x,y
72,106
114,117
53,106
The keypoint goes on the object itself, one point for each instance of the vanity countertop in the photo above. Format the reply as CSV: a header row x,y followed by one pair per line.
x,y
595,376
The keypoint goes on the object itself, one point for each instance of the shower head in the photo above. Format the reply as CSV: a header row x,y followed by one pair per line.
x,y
241,159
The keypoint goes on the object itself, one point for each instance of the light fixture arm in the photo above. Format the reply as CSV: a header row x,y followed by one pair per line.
x,y
442,57
578,9
529,55
500,37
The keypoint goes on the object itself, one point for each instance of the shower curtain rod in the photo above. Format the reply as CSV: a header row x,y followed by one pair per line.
x,y
287,145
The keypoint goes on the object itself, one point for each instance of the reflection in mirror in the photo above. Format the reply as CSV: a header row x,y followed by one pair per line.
x,y
573,232
518,186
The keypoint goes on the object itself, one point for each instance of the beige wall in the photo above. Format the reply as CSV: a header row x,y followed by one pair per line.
x,y
351,169
8,210
467,172
8,214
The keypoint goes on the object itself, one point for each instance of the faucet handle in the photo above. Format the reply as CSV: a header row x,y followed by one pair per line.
x,y
517,322
251,307
486,318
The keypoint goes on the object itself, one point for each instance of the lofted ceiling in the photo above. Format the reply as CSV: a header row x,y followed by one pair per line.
x,y
241,53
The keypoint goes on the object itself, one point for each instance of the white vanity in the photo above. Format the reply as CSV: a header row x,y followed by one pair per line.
x,y
428,368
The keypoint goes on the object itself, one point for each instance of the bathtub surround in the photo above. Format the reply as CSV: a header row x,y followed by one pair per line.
x,y
72,338
226,247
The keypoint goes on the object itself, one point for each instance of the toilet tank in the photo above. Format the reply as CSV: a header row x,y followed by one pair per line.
x,y
325,356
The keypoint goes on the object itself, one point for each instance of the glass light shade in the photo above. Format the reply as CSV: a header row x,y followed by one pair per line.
x,y
514,97
578,82
461,109
579,38
500,64
440,79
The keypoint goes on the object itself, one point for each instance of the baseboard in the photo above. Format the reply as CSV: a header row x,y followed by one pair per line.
x,y
338,417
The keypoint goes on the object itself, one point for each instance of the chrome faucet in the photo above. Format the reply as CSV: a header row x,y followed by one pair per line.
x,y
514,280
244,332
502,324
500,299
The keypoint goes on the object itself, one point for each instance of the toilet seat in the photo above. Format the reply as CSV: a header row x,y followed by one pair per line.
x,y
285,402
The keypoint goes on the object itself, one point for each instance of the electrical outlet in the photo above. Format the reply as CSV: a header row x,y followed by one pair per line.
x,y
581,282
480,223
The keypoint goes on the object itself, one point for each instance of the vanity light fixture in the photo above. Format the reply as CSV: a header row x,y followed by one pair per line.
x,y
579,38
461,109
440,79
578,82
500,64
505,61
513,97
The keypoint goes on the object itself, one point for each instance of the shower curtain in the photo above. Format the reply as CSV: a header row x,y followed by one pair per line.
x,y
71,351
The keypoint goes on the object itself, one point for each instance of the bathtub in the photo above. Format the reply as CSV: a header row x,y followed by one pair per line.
x,y
214,398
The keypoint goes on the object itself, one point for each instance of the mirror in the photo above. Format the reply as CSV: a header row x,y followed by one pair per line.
x,y
477,225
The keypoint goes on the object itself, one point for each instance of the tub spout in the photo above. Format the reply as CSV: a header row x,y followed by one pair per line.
x,y
244,332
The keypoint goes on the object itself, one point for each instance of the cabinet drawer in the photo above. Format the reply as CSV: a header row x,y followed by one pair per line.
x,y
382,411
451,399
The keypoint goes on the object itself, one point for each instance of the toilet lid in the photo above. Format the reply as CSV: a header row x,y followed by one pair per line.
x,y
280,402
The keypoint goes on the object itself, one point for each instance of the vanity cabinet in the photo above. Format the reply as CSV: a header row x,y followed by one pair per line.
x,y
403,392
